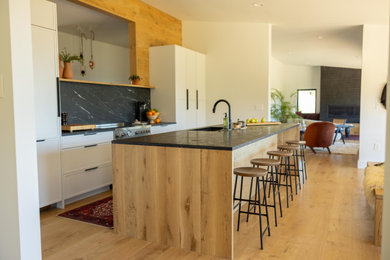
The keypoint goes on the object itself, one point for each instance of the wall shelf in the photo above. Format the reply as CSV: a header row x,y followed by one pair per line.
x,y
104,83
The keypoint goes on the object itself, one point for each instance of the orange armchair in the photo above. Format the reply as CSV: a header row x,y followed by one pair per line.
x,y
319,134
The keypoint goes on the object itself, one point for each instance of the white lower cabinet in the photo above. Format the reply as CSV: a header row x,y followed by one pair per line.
x,y
86,163
89,179
49,171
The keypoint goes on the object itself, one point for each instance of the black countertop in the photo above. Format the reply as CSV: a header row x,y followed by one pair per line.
x,y
216,140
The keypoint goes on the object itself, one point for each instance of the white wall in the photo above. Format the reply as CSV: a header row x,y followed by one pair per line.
x,y
374,77
237,64
112,62
19,218
289,78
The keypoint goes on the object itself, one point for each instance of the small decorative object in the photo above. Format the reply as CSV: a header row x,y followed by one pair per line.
x,y
153,115
91,62
64,118
282,110
60,67
67,59
135,79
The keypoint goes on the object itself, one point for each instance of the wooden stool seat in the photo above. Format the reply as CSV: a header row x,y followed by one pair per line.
x,y
288,147
250,172
265,162
280,153
296,142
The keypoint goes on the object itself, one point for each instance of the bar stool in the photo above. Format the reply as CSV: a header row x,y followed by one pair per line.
x,y
294,149
272,178
252,173
301,155
284,159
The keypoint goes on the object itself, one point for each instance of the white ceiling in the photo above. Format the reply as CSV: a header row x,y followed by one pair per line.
x,y
297,24
107,28
333,46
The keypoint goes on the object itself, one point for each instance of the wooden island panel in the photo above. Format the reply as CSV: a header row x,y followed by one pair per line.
x,y
174,196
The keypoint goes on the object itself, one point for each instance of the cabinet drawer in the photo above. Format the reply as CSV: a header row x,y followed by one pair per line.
x,y
80,182
85,157
86,139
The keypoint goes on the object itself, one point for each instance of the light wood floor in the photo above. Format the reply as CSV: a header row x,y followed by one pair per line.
x,y
329,219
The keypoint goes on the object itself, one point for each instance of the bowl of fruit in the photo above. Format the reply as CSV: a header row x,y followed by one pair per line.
x,y
152,115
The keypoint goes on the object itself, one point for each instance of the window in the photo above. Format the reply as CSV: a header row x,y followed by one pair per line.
x,y
307,100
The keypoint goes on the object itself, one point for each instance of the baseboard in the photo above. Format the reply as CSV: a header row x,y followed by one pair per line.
x,y
86,195
362,164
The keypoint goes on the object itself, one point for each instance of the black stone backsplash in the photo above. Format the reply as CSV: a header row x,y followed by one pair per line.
x,y
101,104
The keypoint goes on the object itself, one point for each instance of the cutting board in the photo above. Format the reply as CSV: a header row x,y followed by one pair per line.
x,y
75,127
264,123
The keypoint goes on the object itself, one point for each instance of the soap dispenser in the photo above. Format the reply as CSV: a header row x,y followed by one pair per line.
x,y
225,122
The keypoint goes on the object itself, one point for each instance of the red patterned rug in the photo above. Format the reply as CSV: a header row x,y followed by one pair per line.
x,y
98,212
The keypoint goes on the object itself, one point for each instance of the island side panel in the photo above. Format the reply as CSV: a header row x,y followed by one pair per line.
x,y
217,201
174,196
288,135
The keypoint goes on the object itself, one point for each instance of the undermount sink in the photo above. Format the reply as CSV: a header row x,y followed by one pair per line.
x,y
209,129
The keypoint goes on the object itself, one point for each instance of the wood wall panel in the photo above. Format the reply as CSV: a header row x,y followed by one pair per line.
x,y
152,28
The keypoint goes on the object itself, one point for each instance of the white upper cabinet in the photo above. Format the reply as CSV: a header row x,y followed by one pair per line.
x,y
179,76
45,66
44,14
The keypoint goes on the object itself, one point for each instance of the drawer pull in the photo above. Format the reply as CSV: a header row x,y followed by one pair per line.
x,y
88,146
90,133
41,140
91,169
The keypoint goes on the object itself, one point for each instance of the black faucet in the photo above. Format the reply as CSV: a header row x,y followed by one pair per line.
x,y
230,114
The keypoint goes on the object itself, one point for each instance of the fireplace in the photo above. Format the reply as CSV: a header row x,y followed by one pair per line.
x,y
351,113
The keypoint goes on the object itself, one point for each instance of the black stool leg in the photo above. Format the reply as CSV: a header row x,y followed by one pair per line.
x,y
235,188
273,189
304,162
249,203
239,205
259,201
266,206
289,173
277,181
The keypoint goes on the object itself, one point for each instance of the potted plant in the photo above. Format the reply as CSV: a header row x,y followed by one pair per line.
x,y
135,79
67,58
281,109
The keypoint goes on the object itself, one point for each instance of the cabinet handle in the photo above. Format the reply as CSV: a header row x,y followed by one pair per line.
x,y
41,140
91,169
187,99
58,98
90,133
88,146
197,102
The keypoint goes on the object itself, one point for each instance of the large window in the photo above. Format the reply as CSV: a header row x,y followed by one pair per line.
x,y
307,100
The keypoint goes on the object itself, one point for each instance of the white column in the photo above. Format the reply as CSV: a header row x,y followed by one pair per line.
x,y
19,218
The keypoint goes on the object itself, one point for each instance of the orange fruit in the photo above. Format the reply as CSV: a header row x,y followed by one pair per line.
x,y
149,113
158,120
153,112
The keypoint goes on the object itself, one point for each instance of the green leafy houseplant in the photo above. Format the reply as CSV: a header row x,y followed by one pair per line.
x,y
281,109
134,79
66,57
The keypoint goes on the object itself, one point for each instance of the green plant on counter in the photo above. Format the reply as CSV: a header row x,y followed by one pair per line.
x,y
281,109
134,77
66,57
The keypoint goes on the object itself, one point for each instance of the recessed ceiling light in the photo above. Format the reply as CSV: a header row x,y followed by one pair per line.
x,y
257,4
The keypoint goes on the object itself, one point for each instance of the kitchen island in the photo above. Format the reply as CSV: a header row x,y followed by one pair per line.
x,y
176,188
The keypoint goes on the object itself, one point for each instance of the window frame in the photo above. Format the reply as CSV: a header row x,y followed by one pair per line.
x,y
307,89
